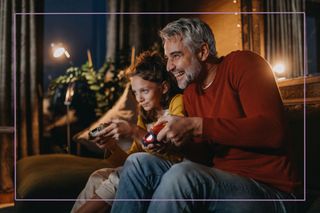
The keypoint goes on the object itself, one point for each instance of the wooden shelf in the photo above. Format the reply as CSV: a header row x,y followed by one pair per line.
x,y
300,90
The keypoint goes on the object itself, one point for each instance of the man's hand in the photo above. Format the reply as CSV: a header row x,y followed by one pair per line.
x,y
178,129
155,148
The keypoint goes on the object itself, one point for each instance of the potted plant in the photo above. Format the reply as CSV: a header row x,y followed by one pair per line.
x,y
94,91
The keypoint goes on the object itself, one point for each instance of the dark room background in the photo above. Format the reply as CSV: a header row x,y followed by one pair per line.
x,y
77,33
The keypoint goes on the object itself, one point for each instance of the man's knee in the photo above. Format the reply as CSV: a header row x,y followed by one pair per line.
x,y
186,168
140,161
184,174
180,169
138,156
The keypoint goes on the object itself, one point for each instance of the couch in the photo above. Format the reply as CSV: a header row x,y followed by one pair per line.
x,y
62,176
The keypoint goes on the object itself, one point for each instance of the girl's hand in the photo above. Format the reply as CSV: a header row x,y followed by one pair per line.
x,y
114,130
118,128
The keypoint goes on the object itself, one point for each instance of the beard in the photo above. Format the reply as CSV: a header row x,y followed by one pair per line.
x,y
191,73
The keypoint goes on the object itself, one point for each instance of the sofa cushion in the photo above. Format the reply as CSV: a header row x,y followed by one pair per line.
x,y
56,176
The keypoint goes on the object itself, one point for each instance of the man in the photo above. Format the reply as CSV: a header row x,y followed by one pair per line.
x,y
233,104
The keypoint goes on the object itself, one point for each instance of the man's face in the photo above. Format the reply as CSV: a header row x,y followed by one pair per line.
x,y
183,64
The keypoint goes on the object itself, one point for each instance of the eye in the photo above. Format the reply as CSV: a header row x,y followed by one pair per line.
x,y
176,56
145,91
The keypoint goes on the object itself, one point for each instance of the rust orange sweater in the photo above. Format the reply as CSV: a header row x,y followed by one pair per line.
x,y
242,115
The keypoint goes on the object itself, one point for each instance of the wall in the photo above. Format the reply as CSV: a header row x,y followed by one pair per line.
x,y
226,27
77,33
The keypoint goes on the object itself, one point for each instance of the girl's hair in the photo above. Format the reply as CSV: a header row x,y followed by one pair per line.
x,y
150,66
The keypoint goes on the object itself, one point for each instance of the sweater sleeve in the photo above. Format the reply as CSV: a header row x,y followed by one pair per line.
x,y
176,106
262,123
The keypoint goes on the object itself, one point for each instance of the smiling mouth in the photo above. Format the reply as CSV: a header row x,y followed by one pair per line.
x,y
179,74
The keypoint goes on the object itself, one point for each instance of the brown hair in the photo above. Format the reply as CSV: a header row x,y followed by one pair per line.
x,y
150,66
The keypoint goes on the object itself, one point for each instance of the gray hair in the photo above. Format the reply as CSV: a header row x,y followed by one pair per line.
x,y
193,32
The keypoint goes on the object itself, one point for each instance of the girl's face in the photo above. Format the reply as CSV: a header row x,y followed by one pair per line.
x,y
147,93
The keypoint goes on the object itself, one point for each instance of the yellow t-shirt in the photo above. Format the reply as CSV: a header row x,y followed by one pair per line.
x,y
175,108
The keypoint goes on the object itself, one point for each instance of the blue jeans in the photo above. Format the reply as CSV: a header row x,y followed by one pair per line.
x,y
187,186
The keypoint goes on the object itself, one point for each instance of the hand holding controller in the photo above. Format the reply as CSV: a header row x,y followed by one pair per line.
x,y
95,132
151,136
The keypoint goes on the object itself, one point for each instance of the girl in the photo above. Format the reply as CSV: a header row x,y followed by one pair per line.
x,y
157,94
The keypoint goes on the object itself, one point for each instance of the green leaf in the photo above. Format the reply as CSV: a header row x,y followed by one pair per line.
x,y
94,87
89,76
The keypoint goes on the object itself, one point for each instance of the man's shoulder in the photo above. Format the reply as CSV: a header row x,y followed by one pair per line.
x,y
240,54
243,59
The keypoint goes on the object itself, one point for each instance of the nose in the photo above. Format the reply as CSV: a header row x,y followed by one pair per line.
x,y
139,98
170,65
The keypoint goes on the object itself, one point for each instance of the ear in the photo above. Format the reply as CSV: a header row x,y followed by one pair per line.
x,y
165,87
203,52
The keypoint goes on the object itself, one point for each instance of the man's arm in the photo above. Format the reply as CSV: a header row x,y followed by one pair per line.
x,y
262,123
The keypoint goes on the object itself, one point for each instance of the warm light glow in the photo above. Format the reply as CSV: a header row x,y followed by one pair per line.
x,y
279,68
58,52
234,1
67,54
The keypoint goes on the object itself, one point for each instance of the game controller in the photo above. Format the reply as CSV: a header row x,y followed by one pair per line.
x,y
93,133
151,136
